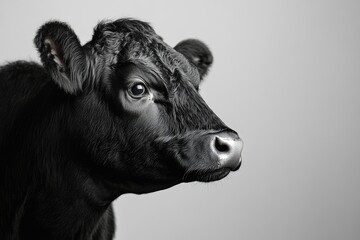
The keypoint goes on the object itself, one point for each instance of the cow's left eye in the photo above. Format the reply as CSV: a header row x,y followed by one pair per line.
x,y
138,90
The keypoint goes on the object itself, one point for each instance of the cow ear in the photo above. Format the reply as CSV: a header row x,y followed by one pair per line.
x,y
62,55
197,53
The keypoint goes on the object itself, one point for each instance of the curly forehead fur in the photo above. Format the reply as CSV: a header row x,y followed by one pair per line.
x,y
128,40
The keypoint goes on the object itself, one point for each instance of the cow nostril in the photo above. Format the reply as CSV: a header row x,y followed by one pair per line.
x,y
221,146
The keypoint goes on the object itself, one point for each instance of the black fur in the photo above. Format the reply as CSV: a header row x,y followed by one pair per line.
x,y
197,53
72,139
62,55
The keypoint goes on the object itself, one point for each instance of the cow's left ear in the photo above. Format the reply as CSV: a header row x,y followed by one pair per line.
x,y
197,53
62,55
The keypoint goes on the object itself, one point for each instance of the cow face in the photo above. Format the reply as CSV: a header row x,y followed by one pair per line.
x,y
138,115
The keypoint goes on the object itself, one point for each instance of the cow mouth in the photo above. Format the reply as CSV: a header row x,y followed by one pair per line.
x,y
206,175
210,174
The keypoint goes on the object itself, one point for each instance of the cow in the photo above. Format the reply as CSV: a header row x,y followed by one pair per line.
x,y
119,114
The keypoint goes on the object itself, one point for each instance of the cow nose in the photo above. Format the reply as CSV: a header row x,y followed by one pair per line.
x,y
228,147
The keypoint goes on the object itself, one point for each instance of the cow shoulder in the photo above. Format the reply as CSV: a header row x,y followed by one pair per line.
x,y
20,82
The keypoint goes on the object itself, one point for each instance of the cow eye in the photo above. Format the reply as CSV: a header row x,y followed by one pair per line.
x,y
138,90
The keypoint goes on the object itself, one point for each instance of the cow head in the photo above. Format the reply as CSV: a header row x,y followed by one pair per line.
x,y
139,119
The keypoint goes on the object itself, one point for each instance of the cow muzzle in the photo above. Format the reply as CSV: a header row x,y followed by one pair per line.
x,y
226,148
218,153
204,155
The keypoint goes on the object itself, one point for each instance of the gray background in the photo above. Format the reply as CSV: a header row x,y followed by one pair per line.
x,y
286,77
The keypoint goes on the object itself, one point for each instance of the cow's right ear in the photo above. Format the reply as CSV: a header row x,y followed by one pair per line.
x,y
62,55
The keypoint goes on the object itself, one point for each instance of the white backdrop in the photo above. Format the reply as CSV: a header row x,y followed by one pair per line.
x,y
286,76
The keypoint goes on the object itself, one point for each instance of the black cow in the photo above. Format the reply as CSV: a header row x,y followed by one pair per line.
x,y
120,114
